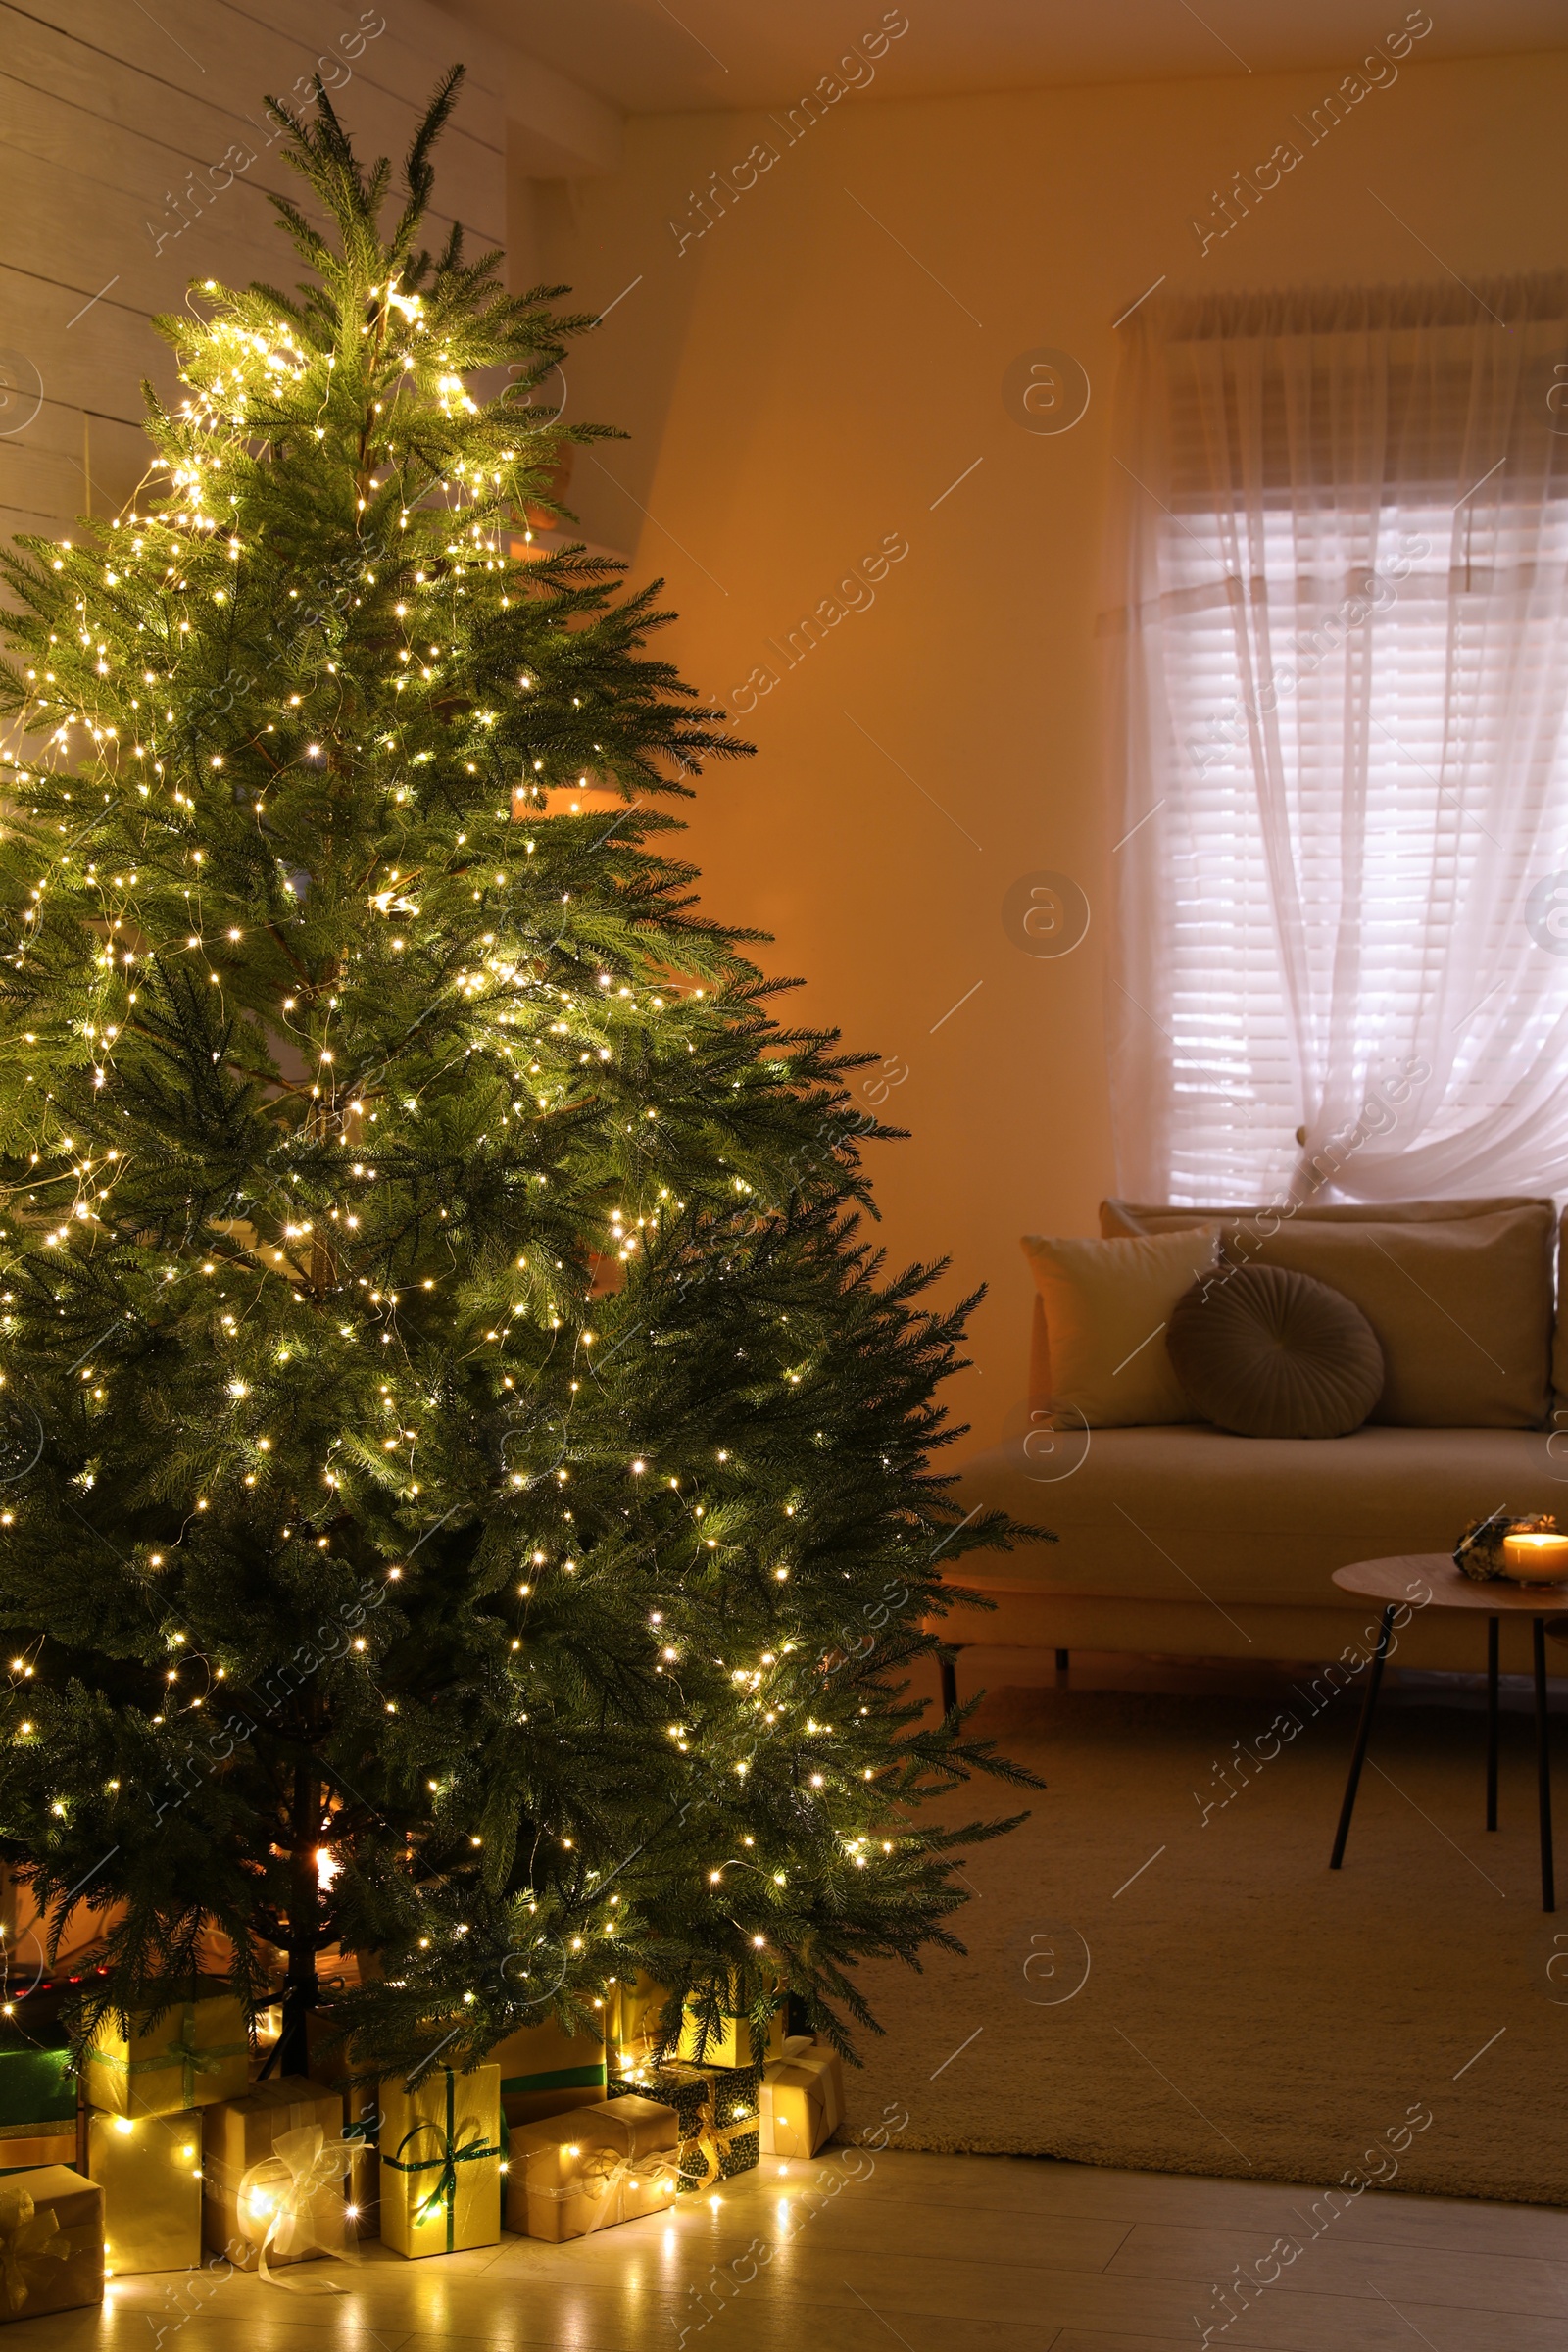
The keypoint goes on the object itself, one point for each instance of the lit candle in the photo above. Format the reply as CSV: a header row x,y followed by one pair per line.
x,y
1536,1558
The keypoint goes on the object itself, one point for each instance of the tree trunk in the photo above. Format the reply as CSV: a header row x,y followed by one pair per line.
x,y
299,1986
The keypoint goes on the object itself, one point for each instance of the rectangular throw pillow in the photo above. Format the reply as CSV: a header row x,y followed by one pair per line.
x,y
1106,1305
1462,1309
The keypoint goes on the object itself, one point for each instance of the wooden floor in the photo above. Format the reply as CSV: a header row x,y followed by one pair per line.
x,y
855,2252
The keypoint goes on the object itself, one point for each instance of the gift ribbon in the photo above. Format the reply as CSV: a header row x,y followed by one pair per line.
x,y
27,2237
562,2078
449,2158
302,2162
710,2141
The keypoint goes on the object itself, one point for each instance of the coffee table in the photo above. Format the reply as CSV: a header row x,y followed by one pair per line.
x,y
1432,1575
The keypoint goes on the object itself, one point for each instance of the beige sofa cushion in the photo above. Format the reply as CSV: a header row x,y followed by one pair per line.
x,y
1193,1514
1106,1305
1122,1218
1461,1310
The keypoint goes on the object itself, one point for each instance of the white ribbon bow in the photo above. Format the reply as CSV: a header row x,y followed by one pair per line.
x,y
280,2189
599,2175
26,2236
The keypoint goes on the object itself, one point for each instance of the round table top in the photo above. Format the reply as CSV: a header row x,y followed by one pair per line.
x,y
1430,1579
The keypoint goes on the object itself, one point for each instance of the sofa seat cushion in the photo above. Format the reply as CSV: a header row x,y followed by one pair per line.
x,y
1193,1513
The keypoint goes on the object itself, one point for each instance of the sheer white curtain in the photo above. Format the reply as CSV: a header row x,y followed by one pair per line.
x,y
1338,628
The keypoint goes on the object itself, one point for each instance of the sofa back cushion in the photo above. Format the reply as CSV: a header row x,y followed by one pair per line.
x,y
1120,1220
1461,1310
1479,1352
1106,1305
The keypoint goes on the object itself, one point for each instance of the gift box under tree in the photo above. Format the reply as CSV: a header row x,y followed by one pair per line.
x,y
273,2163
802,2100
38,2108
614,2161
440,2151
51,2242
546,2071
634,2021
191,2052
25,2148
727,2041
717,2108
149,2168
632,2017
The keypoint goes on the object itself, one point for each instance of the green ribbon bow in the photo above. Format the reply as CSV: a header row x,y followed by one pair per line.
x,y
449,2157
194,2061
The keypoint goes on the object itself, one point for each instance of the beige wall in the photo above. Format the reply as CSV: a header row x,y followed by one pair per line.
x,y
801,381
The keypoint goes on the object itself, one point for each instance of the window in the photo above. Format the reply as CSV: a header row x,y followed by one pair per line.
x,y
1343,696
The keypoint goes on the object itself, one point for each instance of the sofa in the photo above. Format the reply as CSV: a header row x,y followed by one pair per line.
x,y
1186,1541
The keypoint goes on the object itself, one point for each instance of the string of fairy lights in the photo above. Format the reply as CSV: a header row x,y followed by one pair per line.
x,y
130,819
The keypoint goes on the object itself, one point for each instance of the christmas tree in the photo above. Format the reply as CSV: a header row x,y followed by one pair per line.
x,y
467,1494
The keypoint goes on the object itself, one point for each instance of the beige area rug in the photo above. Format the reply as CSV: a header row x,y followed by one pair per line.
x,y
1146,1988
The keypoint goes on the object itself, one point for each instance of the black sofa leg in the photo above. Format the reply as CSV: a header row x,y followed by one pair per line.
x,y
949,1686
1062,1661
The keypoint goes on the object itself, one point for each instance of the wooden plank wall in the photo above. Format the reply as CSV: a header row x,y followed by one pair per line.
x,y
135,156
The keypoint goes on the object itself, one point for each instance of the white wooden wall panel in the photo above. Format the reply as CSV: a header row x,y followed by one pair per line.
x,y
115,127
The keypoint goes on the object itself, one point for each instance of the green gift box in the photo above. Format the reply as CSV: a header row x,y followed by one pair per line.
x,y
37,2086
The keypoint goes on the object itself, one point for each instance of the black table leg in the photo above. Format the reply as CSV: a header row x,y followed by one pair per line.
x,y
949,1686
1548,1888
1364,1734
1491,1722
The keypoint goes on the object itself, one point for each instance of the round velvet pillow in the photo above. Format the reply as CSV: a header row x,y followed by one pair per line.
x,y
1272,1353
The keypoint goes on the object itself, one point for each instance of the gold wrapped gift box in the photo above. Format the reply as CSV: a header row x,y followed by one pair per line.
x,y
51,2242
149,2168
441,2162
272,2170
731,2045
801,2101
634,2017
570,2175
331,2061
191,2054
545,2070
23,2147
